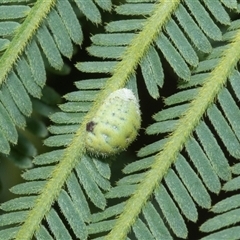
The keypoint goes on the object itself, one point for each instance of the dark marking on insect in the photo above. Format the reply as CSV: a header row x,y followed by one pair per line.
x,y
90,126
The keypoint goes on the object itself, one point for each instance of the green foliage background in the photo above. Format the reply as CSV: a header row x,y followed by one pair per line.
x,y
60,60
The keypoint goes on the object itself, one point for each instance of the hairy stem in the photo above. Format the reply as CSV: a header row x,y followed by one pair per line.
x,y
164,159
23,36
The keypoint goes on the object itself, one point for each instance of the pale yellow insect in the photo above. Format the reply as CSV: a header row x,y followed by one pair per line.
x,y
115,124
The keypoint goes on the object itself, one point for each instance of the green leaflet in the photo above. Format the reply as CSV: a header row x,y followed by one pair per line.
x,y
145,47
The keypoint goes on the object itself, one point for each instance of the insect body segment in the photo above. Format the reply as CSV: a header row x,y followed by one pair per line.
x,y
115,124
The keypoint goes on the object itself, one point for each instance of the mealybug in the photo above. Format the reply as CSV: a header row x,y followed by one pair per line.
x,y
115,124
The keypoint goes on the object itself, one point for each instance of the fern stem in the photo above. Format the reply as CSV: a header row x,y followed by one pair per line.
x,y
139,46
164,159
76,149
24,34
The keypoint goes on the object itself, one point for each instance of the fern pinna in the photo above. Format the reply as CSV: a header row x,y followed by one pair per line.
x,y
67,194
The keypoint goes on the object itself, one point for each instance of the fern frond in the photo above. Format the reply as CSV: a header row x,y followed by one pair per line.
x,y
190,138
111,45
73,180
90,172
26,31
226,212
52,27
173,44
